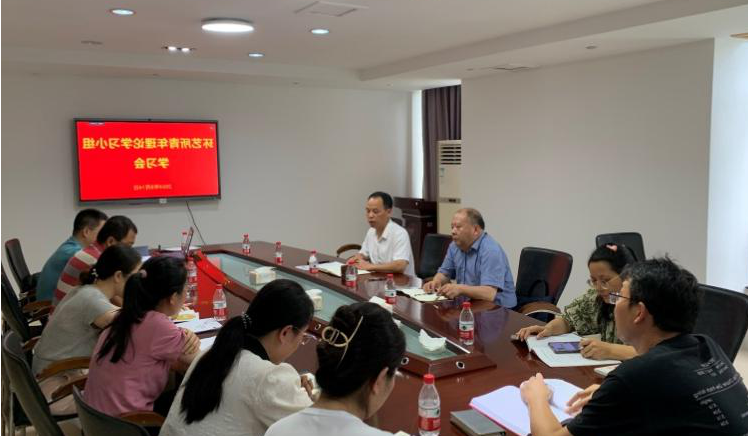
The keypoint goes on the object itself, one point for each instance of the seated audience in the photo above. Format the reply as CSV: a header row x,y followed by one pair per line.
x,y
74,327
475,262
130,365
116,230
592,312
386,247
86,227
679,384
358,358
240,385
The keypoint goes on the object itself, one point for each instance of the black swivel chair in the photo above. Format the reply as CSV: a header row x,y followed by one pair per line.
x,y
723,316
632,240
434,250
541,278
18,267
95,423
13,314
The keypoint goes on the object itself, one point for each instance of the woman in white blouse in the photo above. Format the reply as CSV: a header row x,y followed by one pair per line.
x,y
240,385
358,357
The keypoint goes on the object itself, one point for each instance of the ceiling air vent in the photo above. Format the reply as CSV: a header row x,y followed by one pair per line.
x,y
329,9
450,152
510,67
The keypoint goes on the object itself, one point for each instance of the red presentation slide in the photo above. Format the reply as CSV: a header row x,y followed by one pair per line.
x,y
122,160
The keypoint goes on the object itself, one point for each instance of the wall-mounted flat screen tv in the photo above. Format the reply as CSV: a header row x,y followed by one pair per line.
x,y
147,160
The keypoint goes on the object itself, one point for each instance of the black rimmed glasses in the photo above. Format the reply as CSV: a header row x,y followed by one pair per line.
x,y
613,297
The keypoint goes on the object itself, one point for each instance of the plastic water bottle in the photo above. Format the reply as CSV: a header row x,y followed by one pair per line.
x,y
219,304
278,253
467,324
351,274
191,297
313,264
246,248
184,242
390,291
429,422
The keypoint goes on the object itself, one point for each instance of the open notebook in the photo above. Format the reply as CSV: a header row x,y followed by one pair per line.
x,y
543,351
334,268
505,405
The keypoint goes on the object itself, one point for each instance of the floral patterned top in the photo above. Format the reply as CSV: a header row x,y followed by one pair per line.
x,y
582,316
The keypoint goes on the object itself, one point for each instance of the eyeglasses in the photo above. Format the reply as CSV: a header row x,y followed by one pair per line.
x,y
614,297
604,284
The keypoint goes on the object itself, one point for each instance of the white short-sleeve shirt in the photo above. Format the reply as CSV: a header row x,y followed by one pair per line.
x,y
322,422
393,245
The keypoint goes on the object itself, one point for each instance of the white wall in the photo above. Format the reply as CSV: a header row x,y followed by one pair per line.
x,y
557,155
296,163
727,249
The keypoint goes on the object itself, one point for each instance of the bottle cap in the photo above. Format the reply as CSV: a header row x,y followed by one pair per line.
x,y
428,379
184,233
466,305
390,275
314,251
351,262
246,235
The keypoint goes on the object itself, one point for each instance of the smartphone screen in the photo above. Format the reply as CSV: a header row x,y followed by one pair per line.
x,y
564,347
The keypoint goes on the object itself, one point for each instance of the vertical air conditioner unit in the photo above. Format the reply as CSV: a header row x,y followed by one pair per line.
x,y
450,177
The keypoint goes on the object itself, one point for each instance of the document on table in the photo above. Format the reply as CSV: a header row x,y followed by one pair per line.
x,y
421,295
192,247
554,360
206,343
334,268
201,325
505,405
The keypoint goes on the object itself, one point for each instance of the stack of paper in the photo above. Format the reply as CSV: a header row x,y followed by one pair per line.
x,y
505,405
419,294
334,268
543,351
206,343
201,325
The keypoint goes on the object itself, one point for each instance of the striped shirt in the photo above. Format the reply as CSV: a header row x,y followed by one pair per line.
x,y
81,261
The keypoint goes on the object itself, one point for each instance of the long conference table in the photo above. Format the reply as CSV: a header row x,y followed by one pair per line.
x,y
462,372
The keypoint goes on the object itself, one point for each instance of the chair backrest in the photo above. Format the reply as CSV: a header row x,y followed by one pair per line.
x,y
542,275
95,423
12,313
18,266
434,250
397,221
632,240
723,316
26,388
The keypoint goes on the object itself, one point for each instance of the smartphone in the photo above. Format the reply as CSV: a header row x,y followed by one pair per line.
x,y
564,347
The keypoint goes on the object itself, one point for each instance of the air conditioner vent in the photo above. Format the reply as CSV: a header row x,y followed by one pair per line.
x,y
450,153
330,9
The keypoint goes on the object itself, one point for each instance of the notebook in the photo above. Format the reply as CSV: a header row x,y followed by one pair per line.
x,y
505,405
543,351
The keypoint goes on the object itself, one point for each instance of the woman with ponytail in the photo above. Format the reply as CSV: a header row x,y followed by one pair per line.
x,y
358,358
592,313
130,365
240,385
74,327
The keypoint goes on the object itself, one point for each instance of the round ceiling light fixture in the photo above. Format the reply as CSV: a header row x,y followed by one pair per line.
x,y
227,25
320,31
256,55
122,12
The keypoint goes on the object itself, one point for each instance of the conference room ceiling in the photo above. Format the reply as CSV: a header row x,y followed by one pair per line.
x,y
397,44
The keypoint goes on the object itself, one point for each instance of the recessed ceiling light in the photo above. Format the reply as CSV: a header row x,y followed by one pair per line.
x,y
91,42
171,48
122,12
320,31
185,49
227,25
591,47
175,49
255,55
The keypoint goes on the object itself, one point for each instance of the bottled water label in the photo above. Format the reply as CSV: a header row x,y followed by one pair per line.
x,y
219,305
467,331
428,419
390,296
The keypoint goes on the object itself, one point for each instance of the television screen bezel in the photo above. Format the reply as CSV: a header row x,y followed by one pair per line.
x,y
150,200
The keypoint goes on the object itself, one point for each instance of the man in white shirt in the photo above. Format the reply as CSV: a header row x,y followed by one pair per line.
x,y
386,247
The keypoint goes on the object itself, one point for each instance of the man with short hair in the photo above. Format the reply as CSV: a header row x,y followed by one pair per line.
x,y
679,384
476,263
386,247
86,227
116,230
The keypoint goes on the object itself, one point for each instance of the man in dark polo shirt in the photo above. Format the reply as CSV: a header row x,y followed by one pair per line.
x,y
680,384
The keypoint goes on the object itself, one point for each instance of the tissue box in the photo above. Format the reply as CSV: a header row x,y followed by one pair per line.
x,y
262,275
316,296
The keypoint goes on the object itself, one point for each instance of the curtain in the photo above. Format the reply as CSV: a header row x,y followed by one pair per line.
x,y
441,121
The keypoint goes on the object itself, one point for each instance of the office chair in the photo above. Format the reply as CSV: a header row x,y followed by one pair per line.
x,y
95,423
435,247
723,316
632,240
18,267
541,279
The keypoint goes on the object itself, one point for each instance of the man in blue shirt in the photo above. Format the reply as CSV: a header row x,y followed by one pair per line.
x,y
476,265
86,227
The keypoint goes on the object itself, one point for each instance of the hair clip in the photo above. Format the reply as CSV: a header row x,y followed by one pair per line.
x,y
612,247
93,272
143,273
330,335
246,321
